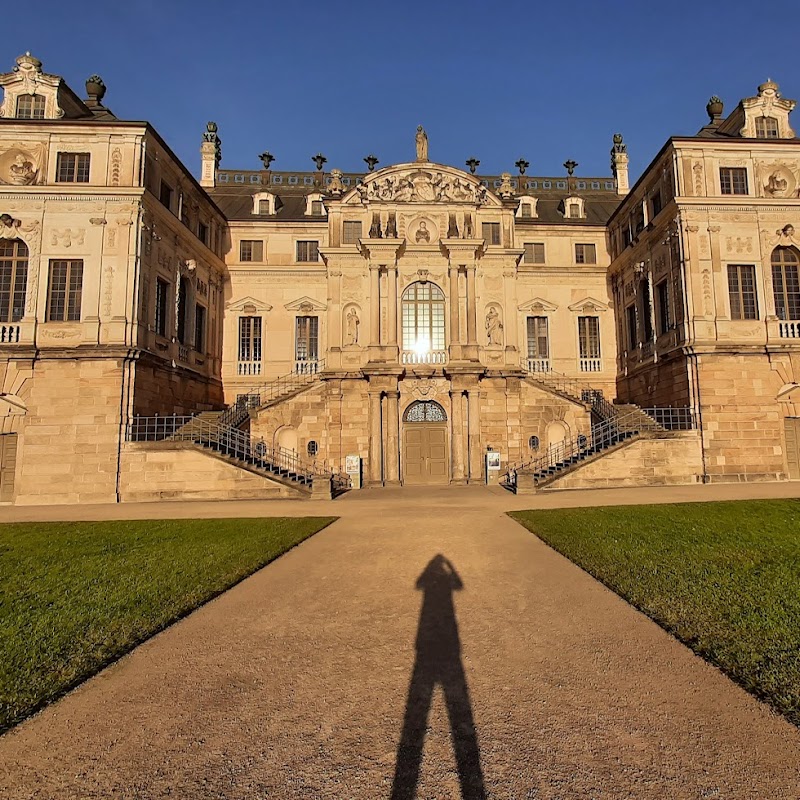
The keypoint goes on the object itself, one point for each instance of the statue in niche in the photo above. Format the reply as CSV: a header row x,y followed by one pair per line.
x,y
467,225
423,234
352,322
494,327
422,144
21,172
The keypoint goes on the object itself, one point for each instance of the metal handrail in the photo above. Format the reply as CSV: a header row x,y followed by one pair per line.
x,y
572,388
232,442
264,393
604,434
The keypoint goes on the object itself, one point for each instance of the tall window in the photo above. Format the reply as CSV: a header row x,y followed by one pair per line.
x,y
733,180
202,232
662,299
742,291
655,204
786,282
316,208
647,310
633,335
200,328
423,318
72,168
525,210
30,106
308,251
13,279
251,250
574,210
249,338
534,253
264,207
585,254
538,346
491,232
183,302
766,127
165,195
64,292
306,347
351,231
589,337
162,299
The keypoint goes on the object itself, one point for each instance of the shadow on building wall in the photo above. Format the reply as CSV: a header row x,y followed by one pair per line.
x,y
438,661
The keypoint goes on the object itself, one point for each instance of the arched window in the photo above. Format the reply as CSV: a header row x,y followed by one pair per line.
x,y
30,106
425,411
423,324
13,279
786,282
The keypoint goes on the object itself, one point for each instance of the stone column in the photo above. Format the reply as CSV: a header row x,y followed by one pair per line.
x,y
374,305
475,451
472,311
455,333
375,439
392,300
459,445
392,477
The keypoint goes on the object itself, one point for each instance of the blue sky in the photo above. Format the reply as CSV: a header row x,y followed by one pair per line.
x,y
547,81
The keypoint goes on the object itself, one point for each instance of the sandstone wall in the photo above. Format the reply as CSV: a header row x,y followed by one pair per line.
x,y
161,389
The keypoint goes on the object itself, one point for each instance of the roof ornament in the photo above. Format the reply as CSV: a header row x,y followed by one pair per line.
x,y
569,166
473,164
714,108
210,135
521,164
28,63
319,160
421,140
266,158
506,189
371,161
619,145
336,186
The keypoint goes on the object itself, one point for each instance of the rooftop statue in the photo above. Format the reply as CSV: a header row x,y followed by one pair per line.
x,y
422,144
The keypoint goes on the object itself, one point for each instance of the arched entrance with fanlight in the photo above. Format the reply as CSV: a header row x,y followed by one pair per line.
x,y
425,446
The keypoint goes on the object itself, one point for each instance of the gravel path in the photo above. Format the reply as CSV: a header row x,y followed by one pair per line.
x,y
425,645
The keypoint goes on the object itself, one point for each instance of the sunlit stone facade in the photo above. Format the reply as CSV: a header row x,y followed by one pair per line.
x,y
432,313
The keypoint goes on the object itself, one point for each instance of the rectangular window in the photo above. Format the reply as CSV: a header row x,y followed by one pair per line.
x,y
72,168
165,195
537,338
585,254
574,211
64,291
662,298
491,232
202,233
525,211
589,337
733,180
13,279
30,106
534,253
655,204
786,290
308,251
249,338
162,300
316,208
264,207
742,291
766,127
633,336
351,232
306,339
251,250
200,328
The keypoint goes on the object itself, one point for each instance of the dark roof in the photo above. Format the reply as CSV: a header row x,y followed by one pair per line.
x,y
234,194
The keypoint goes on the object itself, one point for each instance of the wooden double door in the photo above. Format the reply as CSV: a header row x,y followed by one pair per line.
x,y
425,453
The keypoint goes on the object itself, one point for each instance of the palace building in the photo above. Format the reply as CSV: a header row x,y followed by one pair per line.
x,y
268,333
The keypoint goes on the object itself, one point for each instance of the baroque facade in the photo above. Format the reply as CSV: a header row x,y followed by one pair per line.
x,y
252,333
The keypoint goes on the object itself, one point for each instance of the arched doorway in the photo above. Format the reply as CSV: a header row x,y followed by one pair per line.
x,y
425,449
556,433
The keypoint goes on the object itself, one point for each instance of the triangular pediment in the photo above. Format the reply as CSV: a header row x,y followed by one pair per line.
x,y
538,305
249,305
589,304
421,182
306,305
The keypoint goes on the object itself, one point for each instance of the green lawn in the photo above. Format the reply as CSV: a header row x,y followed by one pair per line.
x,y
76,596
722,577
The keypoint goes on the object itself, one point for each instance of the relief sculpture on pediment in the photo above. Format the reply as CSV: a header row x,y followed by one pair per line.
x,y
421,186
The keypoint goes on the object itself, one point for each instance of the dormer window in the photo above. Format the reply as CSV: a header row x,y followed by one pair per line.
x,y
265,203
314,205
527,207
573,208
767,128
316,208
30,106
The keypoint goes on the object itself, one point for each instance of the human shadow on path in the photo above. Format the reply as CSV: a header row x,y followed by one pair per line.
x,y
438,661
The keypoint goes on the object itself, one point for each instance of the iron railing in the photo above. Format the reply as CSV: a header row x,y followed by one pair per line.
x,y
614,430
233,443
236,413
569,387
